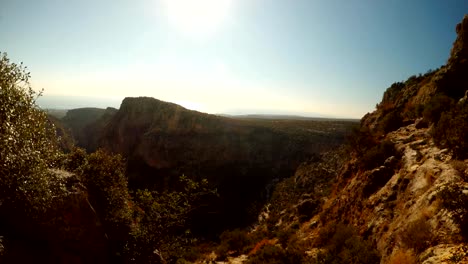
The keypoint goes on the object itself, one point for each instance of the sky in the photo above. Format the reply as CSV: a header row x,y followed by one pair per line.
x,y
306,57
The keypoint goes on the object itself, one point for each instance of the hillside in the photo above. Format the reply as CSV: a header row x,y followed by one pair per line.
x,y
398,196
86,124
170,185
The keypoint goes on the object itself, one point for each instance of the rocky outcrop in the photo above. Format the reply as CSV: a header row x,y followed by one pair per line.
x,y
402,101
409,195
459,52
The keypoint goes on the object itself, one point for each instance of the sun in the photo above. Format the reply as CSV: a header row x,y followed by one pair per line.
x,y
197,18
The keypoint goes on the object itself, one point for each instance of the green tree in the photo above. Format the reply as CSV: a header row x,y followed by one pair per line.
x,y
27,149
163,232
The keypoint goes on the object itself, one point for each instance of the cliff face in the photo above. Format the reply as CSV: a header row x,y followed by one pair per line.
x,y
162,141
412,205
165,135
87,124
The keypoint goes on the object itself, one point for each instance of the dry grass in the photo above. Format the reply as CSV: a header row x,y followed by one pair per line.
x,y
418,235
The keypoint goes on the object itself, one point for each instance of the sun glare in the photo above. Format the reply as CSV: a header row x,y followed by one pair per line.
x,y
197,18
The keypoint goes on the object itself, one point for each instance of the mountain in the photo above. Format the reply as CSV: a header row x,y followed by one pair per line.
x,y
86,124
162,141
398,194
289,191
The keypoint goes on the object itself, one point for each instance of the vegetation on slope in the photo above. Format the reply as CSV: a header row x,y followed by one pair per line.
x,y
55,205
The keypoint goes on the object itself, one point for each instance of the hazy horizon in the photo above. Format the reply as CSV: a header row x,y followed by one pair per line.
x,y
74,102
329,58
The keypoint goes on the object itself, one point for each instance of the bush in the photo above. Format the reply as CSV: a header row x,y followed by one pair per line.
x,y
276,255
452,130
436,106
461,167
391,121
236,240
376,155
284,235
360,140
103,176
456,202
418,235
163,222
343,245
27,149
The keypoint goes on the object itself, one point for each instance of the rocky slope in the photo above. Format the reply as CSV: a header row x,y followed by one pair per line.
x,y
401,204
403,190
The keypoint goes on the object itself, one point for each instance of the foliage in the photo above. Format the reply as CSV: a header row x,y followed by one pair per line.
x,y
163,222
391,121
452,130
461,167
343,245
436,106
360,140
277,255
26,148
236,240
456,202
391,94
418,235
376,155
103,176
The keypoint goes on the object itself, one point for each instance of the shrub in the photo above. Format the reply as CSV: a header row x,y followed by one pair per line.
x,y
27,149
103,176
418,235
391,121
284,235
461,167
75,159
236,240
343,245
455,201
376,155
276,255
436,106
360,140
163,222
452,130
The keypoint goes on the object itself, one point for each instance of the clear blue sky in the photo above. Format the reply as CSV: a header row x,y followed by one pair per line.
x,y
330,57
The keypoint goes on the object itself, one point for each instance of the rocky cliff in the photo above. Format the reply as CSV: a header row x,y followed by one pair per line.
x,y
162,141
86,125
412,204
401,193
